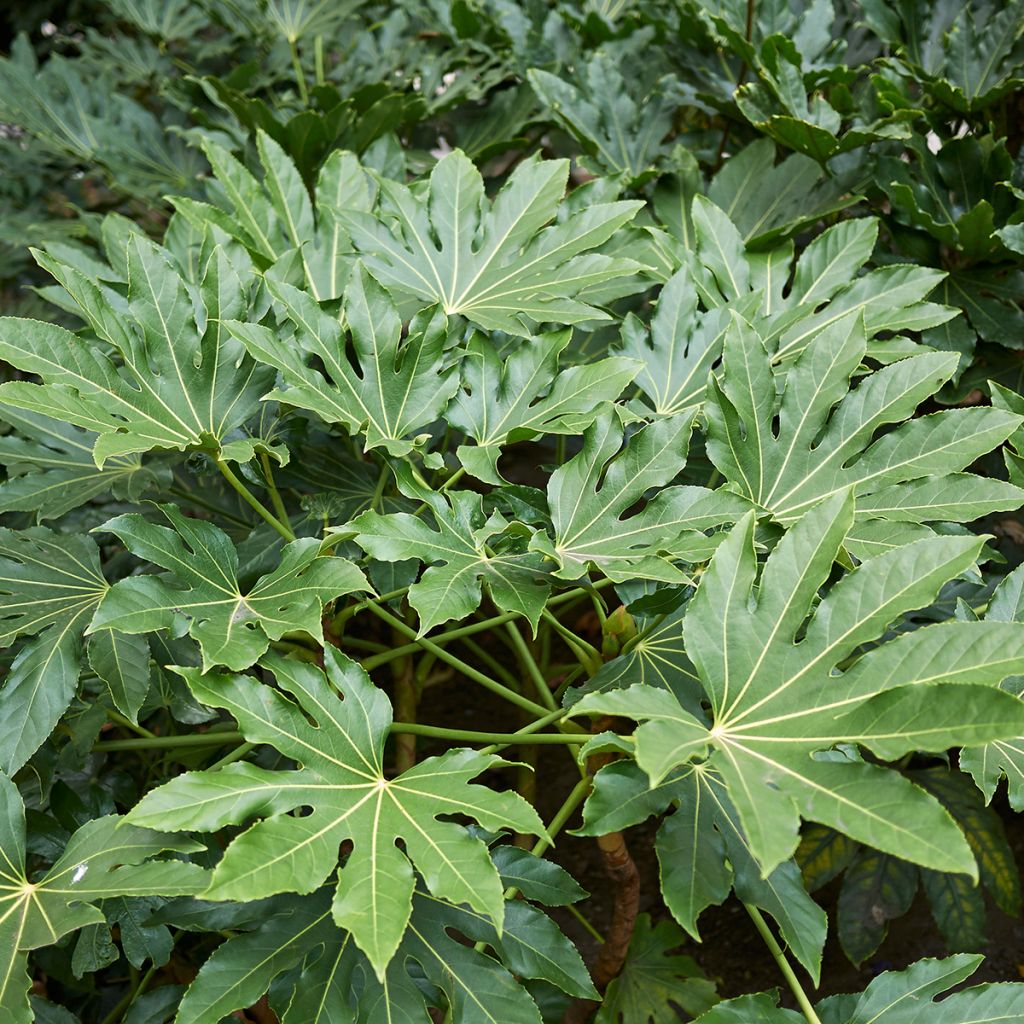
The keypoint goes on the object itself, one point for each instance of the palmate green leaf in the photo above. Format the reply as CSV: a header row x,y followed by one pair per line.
x,y
502,264
681,346
653,980
591,495
798,300
201,591
825,438
522,394
340,776
766,201
989,763
703,852
323,978
180,382
51,470
299,240
50,586
463,553
776,704
104,858
788,303
397,386
624,135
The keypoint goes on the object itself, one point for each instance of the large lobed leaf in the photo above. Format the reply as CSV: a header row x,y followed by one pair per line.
x,y
780,707
334,728
233,624
178,380
501,264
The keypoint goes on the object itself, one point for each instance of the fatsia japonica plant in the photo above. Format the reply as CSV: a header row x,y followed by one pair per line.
x,y
517,524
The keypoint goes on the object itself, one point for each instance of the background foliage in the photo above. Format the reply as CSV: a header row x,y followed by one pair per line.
x,y
430,427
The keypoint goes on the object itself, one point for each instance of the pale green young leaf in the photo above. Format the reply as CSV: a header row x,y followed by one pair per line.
x,y
502,264
819,437
463,553
342,778
776,703
396,386
201,584
591,494
179,382
523,394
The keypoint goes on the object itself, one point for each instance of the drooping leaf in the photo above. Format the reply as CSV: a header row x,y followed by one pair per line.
x,y
121,660
201,584
341,777
876,889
